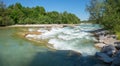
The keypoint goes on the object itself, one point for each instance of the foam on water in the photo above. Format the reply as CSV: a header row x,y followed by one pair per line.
x,y
74,45
89,26
70,38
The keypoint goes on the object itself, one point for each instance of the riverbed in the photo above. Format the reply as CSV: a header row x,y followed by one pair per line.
x,y
18,51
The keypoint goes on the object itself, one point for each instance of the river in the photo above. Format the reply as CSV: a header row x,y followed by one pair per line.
x,y
69,42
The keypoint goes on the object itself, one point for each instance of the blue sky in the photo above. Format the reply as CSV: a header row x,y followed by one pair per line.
x,y
76,7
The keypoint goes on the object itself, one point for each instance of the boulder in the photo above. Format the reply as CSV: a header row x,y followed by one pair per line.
x,y
104,57
99,45
117,45
109,50
114,36
101,38
116,59
109,40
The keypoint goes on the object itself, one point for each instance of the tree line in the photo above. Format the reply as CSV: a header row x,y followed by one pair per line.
x,y
18,14
105,12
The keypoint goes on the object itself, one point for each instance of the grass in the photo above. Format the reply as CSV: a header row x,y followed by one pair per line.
x,y
118,35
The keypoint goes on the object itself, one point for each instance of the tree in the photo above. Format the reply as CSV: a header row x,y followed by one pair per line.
x,y
108,13
55,17
68,18
96,9
112,14
4,18
18,14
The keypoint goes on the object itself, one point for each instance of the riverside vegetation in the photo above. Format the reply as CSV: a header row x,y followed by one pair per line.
x,y
18,14
107,13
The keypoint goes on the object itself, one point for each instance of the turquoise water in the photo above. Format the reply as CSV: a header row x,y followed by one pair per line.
x,y
15,51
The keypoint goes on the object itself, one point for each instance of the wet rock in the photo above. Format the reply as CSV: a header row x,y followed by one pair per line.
x,y
104,57
116,60
117,45
109,50
114,36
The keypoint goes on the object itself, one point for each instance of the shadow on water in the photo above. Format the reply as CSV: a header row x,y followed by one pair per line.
x,y
64,58
1,61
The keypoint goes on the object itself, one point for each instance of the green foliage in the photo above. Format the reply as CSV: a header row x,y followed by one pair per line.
x,y
18,14
95,9
69,18
110,15
4,16
6,20
118,34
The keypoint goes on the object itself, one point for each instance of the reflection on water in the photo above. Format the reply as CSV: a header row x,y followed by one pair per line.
x,y
15,51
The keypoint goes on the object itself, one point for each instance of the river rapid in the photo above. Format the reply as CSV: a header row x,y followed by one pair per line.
x,y
74,46
76,38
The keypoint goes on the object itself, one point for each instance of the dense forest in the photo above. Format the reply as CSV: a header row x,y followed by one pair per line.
x,y
18,14
105,12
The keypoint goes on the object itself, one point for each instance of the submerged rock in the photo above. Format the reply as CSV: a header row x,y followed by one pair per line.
x,y
109,50
30,36
116,60
104,57
74,53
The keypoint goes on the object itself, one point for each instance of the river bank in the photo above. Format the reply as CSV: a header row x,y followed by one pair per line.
x,y
44,25
109,47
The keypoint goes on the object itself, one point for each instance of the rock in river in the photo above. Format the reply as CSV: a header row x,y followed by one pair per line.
x,y
104,57
109,50
116,60
99,45
117,45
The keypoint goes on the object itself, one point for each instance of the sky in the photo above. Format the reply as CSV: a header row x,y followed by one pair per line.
x,y
76,7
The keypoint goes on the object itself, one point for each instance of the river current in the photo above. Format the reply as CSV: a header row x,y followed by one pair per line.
x,y
68,42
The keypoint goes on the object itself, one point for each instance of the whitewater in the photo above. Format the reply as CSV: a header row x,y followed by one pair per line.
x,y
77,38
